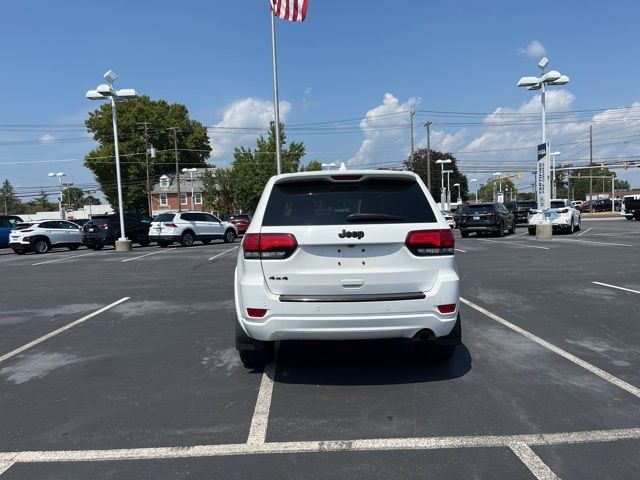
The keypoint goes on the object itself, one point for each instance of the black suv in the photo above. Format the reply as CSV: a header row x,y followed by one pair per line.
x,y
486,218
521,209
104,230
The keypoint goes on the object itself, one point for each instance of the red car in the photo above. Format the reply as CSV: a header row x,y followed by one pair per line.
x,y
241,222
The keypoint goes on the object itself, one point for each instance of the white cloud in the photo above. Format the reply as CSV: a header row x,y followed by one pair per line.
x,y
307,91
386,133
246,113
534,50
47,138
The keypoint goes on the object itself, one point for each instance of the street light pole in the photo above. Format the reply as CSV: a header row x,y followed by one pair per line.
x,y
443,198
448,172
459,197
554,187
475,180
104,92
190,171
59,175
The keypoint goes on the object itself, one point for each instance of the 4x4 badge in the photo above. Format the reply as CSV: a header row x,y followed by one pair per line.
x,y
346,234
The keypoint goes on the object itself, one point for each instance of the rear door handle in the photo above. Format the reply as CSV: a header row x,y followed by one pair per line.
x,y
352,283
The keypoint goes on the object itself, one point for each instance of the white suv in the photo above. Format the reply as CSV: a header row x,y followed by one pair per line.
x,y
187,227
44,235
562,215
346,255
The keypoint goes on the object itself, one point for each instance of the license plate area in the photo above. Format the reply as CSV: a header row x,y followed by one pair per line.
x,y
476,218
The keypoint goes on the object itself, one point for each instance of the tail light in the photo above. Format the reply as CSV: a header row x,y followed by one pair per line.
x,y
267,246
26,230
563,210
104,226
425,243
256,312
448,308
492,214
171,225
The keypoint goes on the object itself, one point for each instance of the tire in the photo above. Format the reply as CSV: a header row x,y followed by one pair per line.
x,y
579,226
532,231
229,236
73,247
207,241
464,234
500,232
187,238
41,246
97,246
163,243
628,217
19,252
512,230
144,243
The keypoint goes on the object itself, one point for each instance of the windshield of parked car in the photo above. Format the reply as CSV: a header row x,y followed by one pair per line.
x,y
474,209
323,202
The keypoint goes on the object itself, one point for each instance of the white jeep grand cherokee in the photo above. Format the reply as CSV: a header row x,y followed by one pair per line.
x,y
346,255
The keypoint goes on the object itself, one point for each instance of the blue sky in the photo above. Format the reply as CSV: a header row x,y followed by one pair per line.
x,y
348,60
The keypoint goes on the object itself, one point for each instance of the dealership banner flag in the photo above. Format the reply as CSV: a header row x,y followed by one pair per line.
x,y
291,10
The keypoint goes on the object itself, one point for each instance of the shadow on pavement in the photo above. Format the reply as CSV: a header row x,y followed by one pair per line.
x,y
365,362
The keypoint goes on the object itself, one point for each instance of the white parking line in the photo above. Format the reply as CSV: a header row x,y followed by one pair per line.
x,y
572,358
582,233
64,258
591,241
619,288
222,253
533,462
145,255
460,250
260,419
5,465
513,243
37,341
518,234
358,445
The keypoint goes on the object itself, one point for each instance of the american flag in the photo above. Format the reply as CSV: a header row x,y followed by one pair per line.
x,y
292,10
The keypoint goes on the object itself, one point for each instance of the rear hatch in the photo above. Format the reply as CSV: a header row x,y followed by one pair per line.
x,y
163,223
478,215
346,235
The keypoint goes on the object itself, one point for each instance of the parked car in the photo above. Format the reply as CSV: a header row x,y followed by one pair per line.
x,y
561,214
189,227
7,223
346,255
104,230
42,236
576,203
486,218
522,209
241,222
448,216
631,207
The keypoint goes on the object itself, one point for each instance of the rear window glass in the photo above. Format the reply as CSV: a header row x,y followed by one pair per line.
x,y
558,204
374,200
164,217
478,209
527,205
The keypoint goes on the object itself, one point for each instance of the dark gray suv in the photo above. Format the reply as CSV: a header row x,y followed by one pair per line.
x,y
482,218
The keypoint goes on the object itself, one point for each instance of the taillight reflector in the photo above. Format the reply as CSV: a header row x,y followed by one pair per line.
x,y
256,312
25,231
170,225
268,245
430,242
449,308
346,178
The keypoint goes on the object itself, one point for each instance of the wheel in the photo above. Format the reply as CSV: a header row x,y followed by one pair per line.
x,y
207,241
500,232
41,246
628,217
163,243
512,230
73,247
19,252
97,246
229,236
464,234
579,226
257,358
532,231
187,239
144,243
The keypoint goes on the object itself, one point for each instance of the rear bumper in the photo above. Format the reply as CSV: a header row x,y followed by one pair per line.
x,y
479,228
23,247
95,239
166,238
345,320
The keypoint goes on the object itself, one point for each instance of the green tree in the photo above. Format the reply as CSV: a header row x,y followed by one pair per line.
x,y
488,191
40,204
72,197
219,190
193,144
253,168
419,165
576,185
10,202
312,166
90,200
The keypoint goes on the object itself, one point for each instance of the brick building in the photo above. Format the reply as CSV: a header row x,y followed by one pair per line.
x,y
164,194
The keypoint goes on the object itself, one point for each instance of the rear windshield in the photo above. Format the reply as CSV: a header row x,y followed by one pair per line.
x,y
375,200
478,209
164,217
527,205
558,204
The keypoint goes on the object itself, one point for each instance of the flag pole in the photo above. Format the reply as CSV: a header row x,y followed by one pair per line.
x,y
276,102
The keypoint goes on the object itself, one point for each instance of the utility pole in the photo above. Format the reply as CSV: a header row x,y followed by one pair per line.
x,y
428,126
591,169
145,125
411,114
175,145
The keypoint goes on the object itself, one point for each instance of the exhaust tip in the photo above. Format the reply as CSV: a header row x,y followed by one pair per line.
x,y
424,335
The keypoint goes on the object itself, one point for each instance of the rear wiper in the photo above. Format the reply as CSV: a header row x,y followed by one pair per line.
x,y
373,217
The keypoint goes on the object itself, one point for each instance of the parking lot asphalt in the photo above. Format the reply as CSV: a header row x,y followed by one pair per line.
x,y
122,365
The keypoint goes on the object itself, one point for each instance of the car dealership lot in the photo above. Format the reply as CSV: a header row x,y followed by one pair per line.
x,y
546,381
